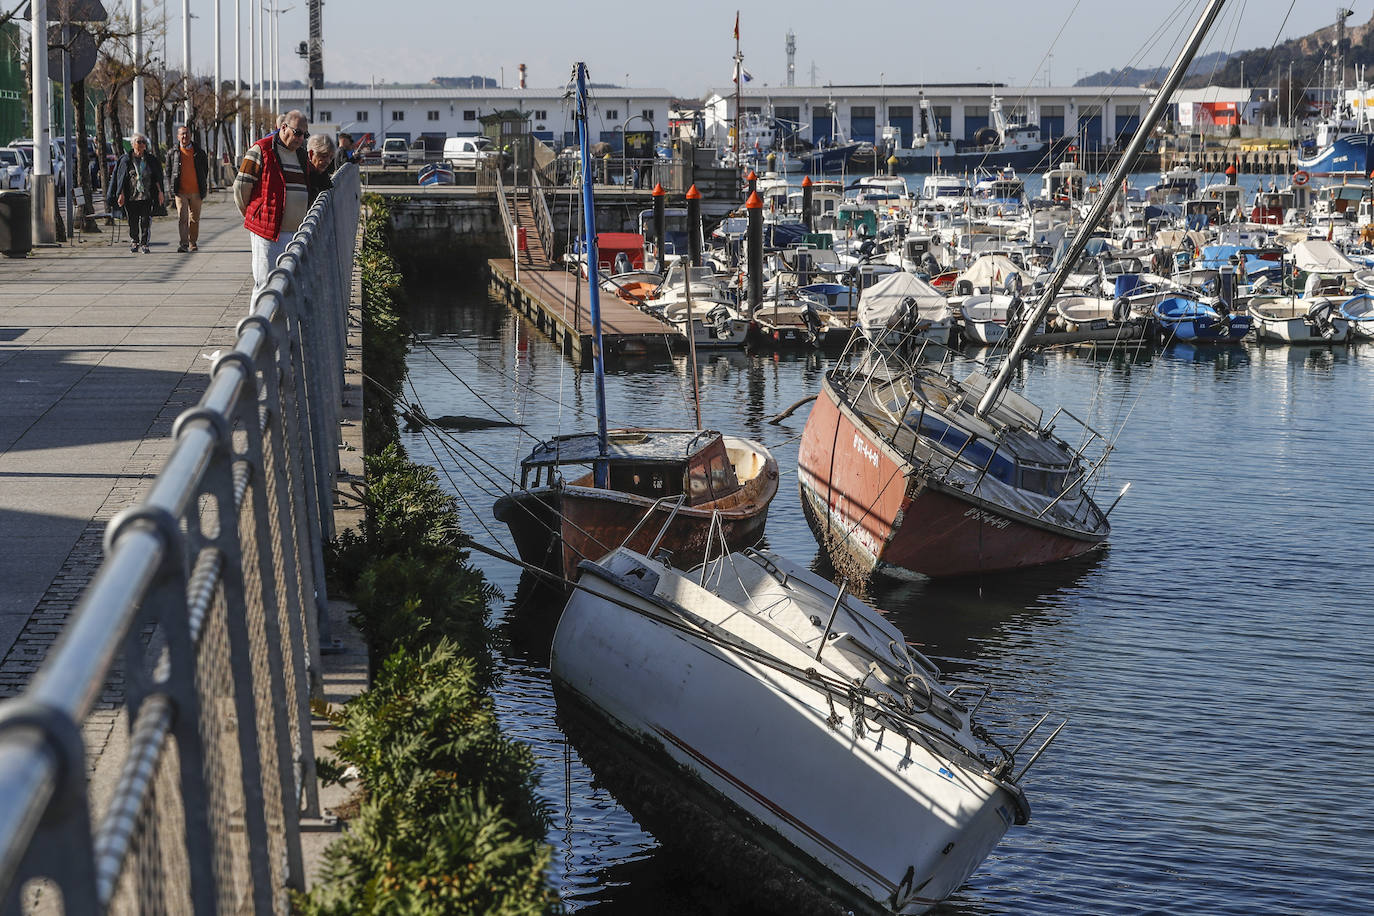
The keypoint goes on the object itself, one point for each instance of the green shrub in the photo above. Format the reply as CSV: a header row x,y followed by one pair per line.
x,y
450,822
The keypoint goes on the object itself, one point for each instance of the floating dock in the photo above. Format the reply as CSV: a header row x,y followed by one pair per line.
x,y
558,303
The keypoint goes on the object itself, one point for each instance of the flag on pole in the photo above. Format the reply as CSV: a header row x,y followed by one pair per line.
x,y
736,25
740,69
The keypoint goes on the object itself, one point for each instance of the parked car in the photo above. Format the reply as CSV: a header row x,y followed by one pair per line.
x,y
469,152
58,165
14,169
395,152
426,149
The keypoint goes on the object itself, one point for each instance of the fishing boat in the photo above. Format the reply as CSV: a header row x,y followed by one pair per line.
x,y
435,173
1002,144
802,717
632,482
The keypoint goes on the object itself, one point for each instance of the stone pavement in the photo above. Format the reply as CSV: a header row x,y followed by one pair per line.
x,y
100,350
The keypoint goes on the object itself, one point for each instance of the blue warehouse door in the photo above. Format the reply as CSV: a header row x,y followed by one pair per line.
x,y
862,123
1127,125
1090,132
821,127
1052,128
900,118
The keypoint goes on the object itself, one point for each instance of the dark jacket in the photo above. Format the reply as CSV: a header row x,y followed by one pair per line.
x,y
174,168
317,182
123,178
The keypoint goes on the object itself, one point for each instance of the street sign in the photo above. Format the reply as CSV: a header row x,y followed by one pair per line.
x,y
82,51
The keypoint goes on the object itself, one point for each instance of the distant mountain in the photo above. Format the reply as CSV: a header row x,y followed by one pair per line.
x,y
1135,76
1302,57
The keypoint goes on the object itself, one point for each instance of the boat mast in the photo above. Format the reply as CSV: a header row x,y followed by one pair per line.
x,y
600,468
739,78
1104,200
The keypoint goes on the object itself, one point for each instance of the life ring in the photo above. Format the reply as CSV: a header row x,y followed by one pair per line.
x,y
1300,177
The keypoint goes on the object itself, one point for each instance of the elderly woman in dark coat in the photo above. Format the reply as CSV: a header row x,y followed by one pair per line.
x,y
138,185
319,153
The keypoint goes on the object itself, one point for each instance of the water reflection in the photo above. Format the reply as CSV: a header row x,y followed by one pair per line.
x,y
1222,356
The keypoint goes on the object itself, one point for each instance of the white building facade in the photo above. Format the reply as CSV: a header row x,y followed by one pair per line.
x,y
414,113
1097,116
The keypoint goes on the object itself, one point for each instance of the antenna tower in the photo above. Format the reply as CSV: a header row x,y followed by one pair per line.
x,y
791,58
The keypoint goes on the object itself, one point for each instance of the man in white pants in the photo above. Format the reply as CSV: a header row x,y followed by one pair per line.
x,y
271,192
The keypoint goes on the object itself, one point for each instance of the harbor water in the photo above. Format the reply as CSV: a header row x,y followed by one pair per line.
x,y
1213,661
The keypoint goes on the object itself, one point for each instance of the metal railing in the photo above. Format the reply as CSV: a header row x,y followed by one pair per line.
x,y
507,218
542,219
207,604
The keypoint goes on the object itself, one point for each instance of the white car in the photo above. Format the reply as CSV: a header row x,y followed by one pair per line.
x,y
395,151
14,169
469,152
58,164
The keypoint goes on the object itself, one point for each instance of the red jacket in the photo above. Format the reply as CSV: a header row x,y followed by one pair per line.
x,y
263,215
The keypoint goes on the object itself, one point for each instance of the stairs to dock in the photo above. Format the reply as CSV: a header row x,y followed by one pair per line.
x,y
520,205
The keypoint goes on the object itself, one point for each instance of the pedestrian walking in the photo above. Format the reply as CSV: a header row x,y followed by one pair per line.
x,y
139,187
319,153
188,175
271,192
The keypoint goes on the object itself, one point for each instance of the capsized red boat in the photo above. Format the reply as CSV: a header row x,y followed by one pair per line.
x,y
900,472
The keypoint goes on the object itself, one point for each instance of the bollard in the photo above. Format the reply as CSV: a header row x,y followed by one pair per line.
x,y
892,164
606,169
660,226
694,225
754,207
772,161
806,203
752,183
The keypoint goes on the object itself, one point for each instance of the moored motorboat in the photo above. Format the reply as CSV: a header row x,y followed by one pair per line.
x,y
1359,312
1185,318
1298,319
802,714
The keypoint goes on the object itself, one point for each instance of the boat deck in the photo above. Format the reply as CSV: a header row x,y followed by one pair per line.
x,y
558,303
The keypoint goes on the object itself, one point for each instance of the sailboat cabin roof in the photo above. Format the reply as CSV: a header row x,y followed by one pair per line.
x,y
662,446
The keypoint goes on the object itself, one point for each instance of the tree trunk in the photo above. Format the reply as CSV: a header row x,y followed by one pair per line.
x,y
100,141
83,153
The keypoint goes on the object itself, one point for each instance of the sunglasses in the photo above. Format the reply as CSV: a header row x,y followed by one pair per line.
x,y
304,135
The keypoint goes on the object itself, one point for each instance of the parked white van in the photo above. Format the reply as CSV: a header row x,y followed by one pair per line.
x,y
468,152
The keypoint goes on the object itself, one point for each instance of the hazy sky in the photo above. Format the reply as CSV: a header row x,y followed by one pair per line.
x,y
689,51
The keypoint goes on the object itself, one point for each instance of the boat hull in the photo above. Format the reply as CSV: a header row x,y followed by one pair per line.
x,y
1299,330
874,512
928,163
909,825
1347,155
556,527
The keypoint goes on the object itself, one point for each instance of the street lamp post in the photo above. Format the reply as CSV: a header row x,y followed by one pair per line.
x,y
186,61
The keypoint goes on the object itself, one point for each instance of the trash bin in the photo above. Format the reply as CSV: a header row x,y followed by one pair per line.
x,y
16,223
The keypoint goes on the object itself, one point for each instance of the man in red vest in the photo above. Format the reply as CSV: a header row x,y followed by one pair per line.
x,y
271,192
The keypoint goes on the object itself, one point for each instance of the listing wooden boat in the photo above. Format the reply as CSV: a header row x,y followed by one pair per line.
x,y
684,478
1298,319
803,717
637,481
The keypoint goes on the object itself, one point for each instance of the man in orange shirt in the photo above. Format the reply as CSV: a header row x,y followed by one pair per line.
x,y
188,173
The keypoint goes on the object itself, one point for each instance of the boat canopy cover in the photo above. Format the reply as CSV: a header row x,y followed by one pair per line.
x,y
1318,256
639,445
992,270
884,304
1215,257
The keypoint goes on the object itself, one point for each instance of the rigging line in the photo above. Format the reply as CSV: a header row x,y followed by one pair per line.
x,y
425,428
1273,46
494,409
394,396
487,364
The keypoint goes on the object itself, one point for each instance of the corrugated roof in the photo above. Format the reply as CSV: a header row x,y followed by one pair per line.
x,y
503,95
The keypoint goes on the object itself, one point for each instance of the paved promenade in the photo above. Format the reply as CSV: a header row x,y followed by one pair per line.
x,y
100,350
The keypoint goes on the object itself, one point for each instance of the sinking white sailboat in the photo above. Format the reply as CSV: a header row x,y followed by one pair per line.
x,y
801,708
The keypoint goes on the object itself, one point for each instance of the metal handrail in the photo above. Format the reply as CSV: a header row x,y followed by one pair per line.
x,y
221,567
507,218
542,219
